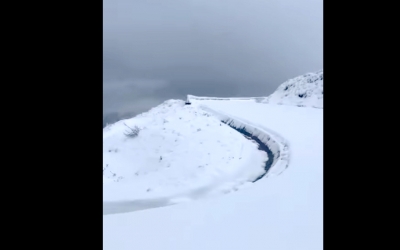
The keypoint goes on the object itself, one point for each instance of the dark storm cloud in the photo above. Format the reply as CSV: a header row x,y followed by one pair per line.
x,y
160,49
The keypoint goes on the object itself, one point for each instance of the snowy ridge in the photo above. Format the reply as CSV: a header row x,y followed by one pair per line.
x,y
303,91
276,143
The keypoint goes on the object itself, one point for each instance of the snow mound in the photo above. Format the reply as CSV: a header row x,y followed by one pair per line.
x,y
181,152
303,91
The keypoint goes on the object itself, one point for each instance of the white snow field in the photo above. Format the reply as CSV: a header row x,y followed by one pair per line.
x,y
200,194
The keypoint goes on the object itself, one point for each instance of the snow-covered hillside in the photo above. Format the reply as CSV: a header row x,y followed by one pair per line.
x,y
180,151
191,173
280,212
306,90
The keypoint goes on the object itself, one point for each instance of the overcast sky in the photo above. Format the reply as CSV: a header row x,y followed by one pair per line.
x,y
154,50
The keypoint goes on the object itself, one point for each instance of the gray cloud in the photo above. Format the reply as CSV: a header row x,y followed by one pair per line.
x,y
160,49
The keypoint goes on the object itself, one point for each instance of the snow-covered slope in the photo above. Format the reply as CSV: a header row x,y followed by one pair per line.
x,y
192,153
306,90
181,151
281,212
